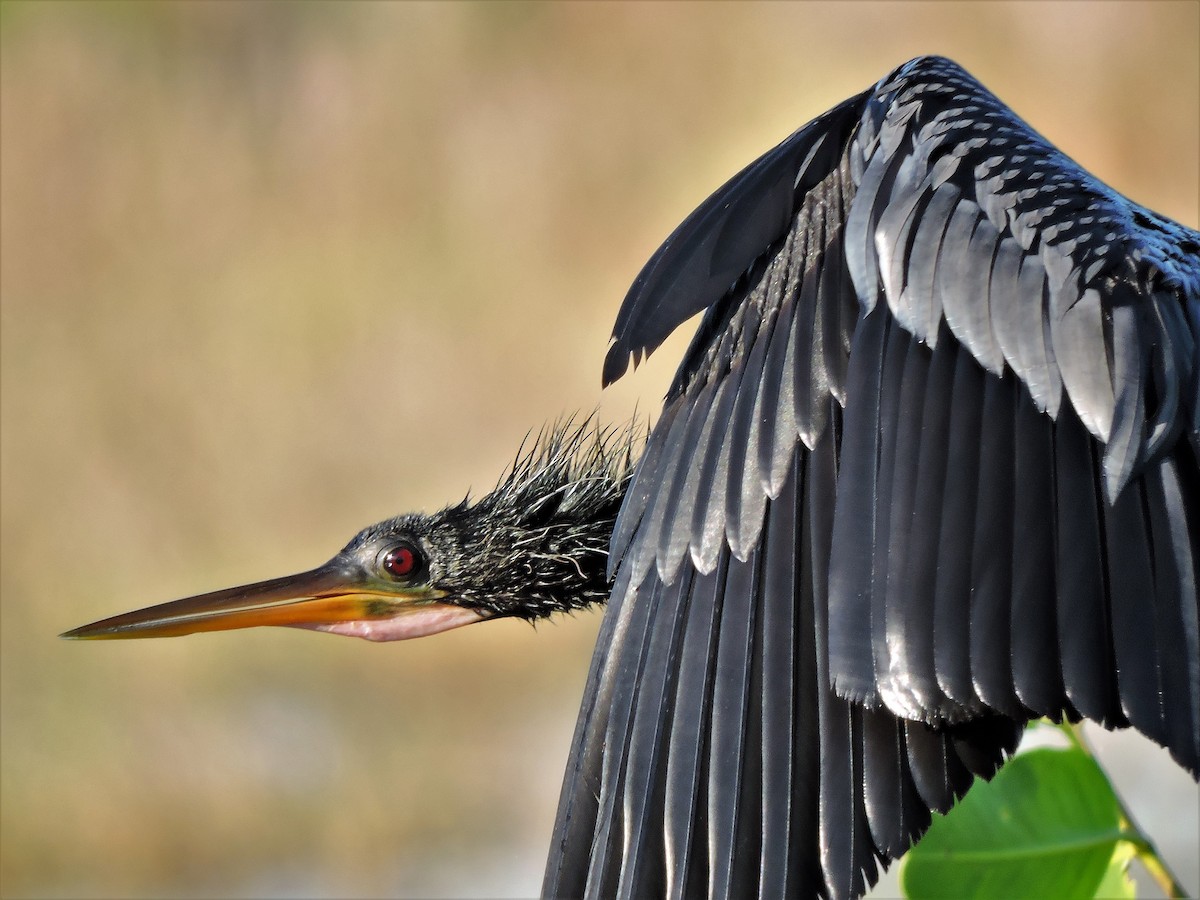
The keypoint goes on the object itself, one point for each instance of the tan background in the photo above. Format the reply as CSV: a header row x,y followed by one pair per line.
x,y
272,272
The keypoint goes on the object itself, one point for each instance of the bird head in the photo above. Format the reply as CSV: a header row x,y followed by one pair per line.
x,y
535,545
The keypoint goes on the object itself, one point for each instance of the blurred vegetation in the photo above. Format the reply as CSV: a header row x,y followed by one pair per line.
x,y
270,272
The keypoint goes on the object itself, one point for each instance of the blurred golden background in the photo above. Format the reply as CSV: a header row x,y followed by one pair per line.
x,y
271,272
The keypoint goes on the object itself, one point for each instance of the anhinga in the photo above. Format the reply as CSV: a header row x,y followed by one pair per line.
x,y
929,469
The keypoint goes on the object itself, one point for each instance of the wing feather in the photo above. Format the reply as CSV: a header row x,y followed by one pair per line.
x,y
919,308
1131,583
854,522
992,553
956,538
685,817
728,728
1177,610
674,455
1084,622
571,850
672,526
778,443
746,497
907,617
787,697
1036,670
1079,346
643,869
640,491
606,859
808,337
938,774
884,462
928,469
918,586
1039,366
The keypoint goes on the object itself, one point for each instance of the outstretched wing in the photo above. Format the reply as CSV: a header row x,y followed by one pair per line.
x,y
928,470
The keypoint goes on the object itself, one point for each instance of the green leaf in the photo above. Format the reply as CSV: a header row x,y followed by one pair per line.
x,y
1116,883
1046,826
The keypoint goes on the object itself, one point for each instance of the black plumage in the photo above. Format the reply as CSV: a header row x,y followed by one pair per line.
x,y
959,376
929,469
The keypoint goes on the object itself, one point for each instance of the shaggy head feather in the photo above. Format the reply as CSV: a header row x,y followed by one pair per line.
x,y
537,543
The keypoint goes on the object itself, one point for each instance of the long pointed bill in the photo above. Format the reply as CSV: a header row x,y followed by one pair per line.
x,y
329,598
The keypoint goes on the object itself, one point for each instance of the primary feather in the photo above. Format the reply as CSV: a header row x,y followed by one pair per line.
x,y
929,469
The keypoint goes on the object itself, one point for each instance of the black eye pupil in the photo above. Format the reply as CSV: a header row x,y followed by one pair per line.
x,y
400,562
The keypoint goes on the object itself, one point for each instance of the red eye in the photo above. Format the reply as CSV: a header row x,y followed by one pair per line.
x,y
401,561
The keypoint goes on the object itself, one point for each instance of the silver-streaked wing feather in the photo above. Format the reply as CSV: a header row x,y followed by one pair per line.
x,y
929,469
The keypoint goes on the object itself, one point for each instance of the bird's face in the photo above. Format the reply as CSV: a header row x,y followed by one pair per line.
x,y
535,545
388,584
